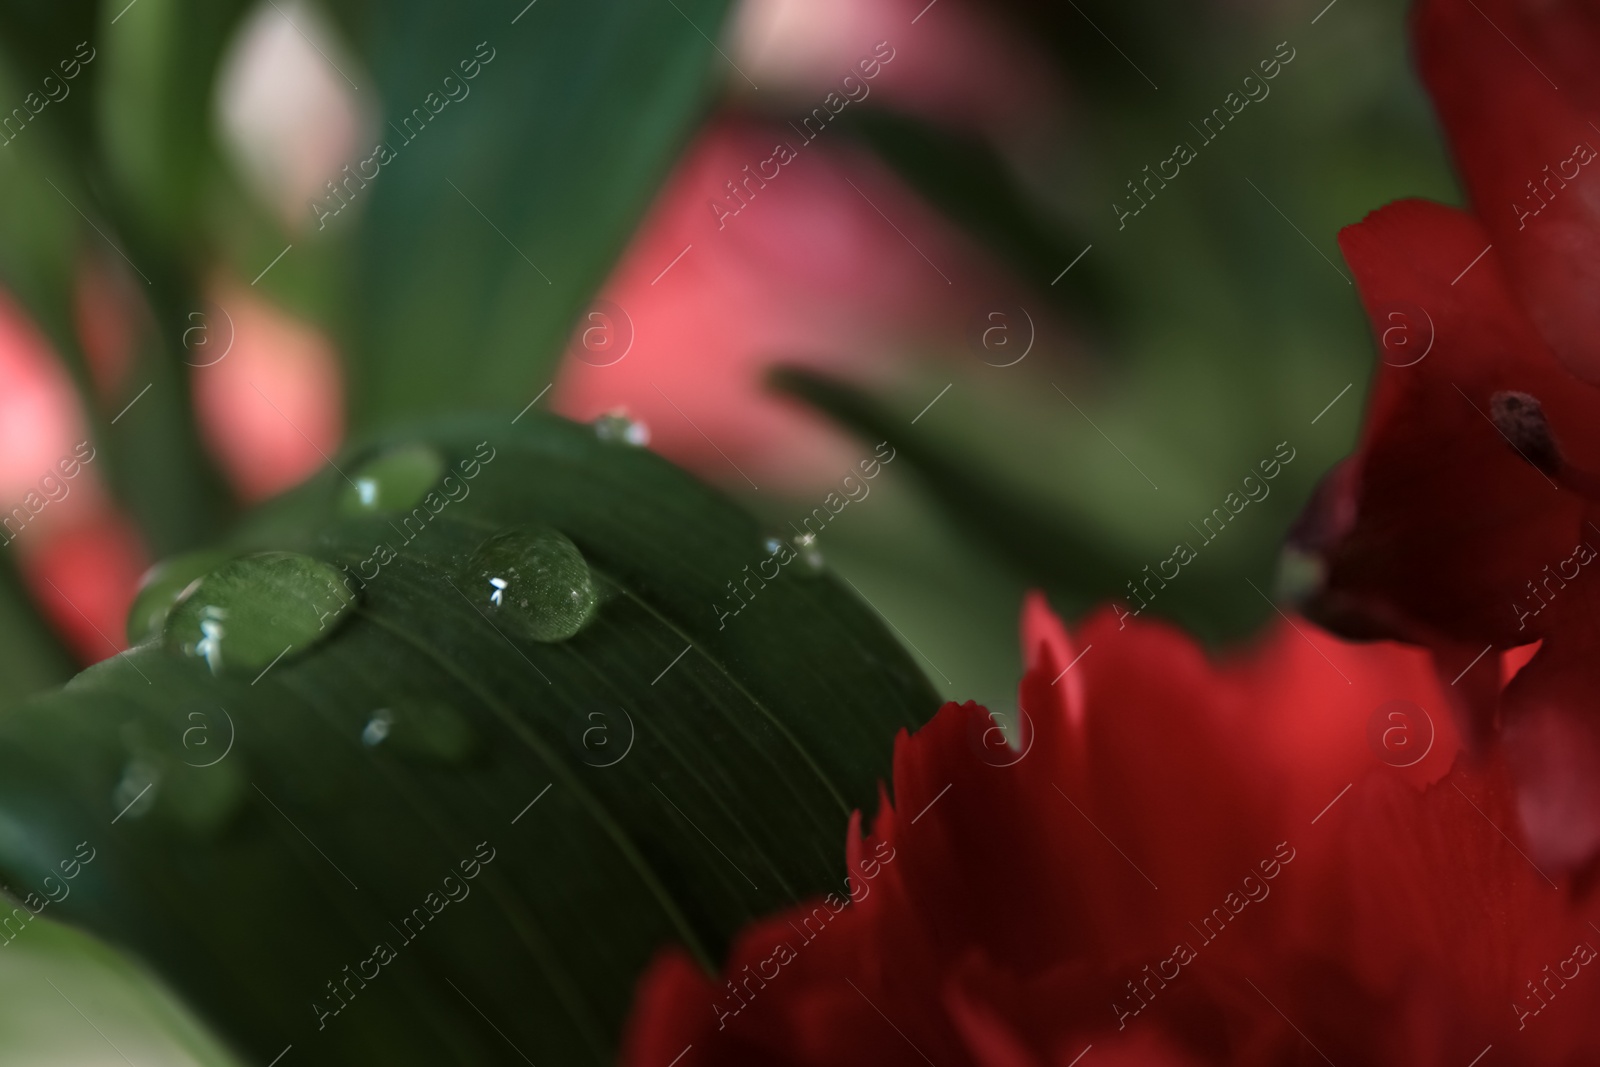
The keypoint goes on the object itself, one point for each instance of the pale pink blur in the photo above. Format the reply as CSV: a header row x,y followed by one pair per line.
x,y
955,63
272,409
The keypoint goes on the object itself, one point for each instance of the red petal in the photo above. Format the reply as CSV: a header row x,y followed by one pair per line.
x,y
1552,740
1429,905
1493,67
1449,523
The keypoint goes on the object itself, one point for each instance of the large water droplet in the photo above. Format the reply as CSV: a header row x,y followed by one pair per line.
x,y
619,426
249,612
533,580
163,586
423,731
393,480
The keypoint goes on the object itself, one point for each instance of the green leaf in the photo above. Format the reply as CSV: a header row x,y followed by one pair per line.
x,y
116,169
157,122
967,179
665,775
500,215
31,659
49,970
1047,539
1040,544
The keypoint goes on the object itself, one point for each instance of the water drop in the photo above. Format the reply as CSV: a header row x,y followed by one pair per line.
x,y
377,728
393,480
163,586
533,580
1300,576
618,426
422,730
135,792
203,802
246,614
810,554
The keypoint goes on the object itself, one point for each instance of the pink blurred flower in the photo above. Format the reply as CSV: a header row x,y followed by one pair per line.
x,y
81,560
84,580
955,63
777,241
832,263
271,409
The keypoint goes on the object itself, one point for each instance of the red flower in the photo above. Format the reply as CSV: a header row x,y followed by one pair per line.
x,y
1465,519
1175,863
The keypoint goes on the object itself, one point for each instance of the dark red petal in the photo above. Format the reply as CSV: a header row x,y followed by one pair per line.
x,y
1431,908
668,1014
1445,524
1001,921
1494,68
1552,739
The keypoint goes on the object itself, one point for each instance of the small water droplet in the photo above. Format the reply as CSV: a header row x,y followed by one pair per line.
x,y
532,579
135,792
394,480
163,586
619,426
810,554
1300,576
422,730
204,801
250,611
377,728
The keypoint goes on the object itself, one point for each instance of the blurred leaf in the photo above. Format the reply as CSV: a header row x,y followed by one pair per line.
x,y
1013,525
130,196
39,226
494,225
31,659
972,184
730,750
1046,539
48,971
37,39
157,168
157,121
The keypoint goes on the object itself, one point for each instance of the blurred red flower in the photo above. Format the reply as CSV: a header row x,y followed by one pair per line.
x,y
1465,520
1193,864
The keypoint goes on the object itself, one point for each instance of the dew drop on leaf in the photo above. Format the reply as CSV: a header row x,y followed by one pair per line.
x,y
422,731
246,614
810,555
376,730
394,480
616,426
164,585
135,792
205,801
533,580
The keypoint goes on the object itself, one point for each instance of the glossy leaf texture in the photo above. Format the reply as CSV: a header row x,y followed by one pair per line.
x,y
501,212
521,823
